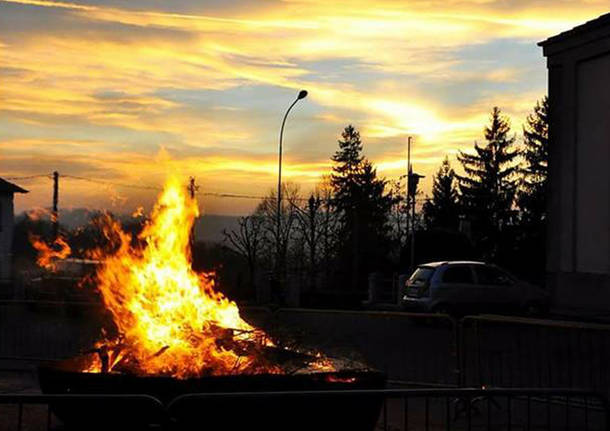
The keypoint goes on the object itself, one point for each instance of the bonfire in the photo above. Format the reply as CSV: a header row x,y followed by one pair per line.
x,y
170,320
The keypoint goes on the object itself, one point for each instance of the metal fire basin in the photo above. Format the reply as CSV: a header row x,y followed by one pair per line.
x,y
227,411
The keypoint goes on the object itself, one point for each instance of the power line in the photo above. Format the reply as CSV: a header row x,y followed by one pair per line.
x,y
237,196
230,195
156,188
30,177
112,183
146,187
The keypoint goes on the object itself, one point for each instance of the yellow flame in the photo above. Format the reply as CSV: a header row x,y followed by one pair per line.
x,y
169,317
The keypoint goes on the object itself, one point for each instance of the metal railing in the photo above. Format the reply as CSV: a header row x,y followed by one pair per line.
x,y
411,348
517,352
47,330
39,412
431,350
393,410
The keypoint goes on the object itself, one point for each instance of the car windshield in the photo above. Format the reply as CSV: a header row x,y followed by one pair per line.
x,y
421,275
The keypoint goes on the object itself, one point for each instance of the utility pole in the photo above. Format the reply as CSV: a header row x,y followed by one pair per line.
x,y
413,229
412,182
407,197
54,213
313,205
192,189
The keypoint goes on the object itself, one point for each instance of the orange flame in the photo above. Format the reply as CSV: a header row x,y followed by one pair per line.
x,y
170,320
49,254
138,212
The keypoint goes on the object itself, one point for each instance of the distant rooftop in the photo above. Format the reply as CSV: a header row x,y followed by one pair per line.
x,y
600,23
6,187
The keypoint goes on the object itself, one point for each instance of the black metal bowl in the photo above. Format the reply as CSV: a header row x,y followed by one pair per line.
x,y
230,409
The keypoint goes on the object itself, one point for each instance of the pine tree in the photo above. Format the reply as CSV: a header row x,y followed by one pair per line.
x,y
363,206
347,166
442,210
532,194
487,189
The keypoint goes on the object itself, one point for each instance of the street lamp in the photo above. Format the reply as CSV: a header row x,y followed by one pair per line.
x,y
302,94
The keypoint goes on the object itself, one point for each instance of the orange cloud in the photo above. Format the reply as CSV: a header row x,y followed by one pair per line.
x,y
100,101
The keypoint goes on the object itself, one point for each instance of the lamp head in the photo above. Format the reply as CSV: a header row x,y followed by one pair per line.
x,y
302,94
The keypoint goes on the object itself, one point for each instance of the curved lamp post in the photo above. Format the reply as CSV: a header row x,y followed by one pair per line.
x,y
302,94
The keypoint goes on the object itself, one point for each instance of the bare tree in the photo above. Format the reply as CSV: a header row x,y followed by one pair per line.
x,y
309,228
277,241
247,241
329,224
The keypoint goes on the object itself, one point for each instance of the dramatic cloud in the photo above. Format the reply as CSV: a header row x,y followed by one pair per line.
x,y
96,88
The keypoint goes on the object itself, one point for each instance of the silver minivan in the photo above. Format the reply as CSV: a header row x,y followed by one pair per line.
x,y
464,286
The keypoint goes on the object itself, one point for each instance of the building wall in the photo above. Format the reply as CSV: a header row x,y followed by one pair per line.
x,y
592,162
578,251
6,234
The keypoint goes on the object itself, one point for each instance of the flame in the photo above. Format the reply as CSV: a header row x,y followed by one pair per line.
x,y
138,212
49,254
170,320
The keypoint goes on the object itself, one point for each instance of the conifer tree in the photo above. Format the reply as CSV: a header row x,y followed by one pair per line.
x,y
487,190
442,210
532,194
363,206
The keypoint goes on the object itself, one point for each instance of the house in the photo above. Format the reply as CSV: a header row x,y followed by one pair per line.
x,y
7,190
578,249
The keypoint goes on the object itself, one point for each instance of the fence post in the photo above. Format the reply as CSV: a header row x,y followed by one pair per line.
x,y
459,351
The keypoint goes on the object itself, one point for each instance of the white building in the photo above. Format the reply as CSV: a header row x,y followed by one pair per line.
x,y
578,249
7,220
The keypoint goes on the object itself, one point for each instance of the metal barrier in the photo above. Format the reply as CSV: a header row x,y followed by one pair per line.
x,y
411,348
47,330
40,412
522,352
449,409
38,331
399,409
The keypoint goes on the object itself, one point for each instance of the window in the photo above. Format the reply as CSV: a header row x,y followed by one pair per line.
x,y
421,275
492,276
458,274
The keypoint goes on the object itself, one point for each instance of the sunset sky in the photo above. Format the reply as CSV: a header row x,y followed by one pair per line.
x,y
127,91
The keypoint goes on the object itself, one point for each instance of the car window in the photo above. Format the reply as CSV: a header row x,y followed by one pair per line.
x,y
492,276
458,274
421,275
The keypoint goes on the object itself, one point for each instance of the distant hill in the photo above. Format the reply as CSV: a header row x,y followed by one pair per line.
x,y
208,228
